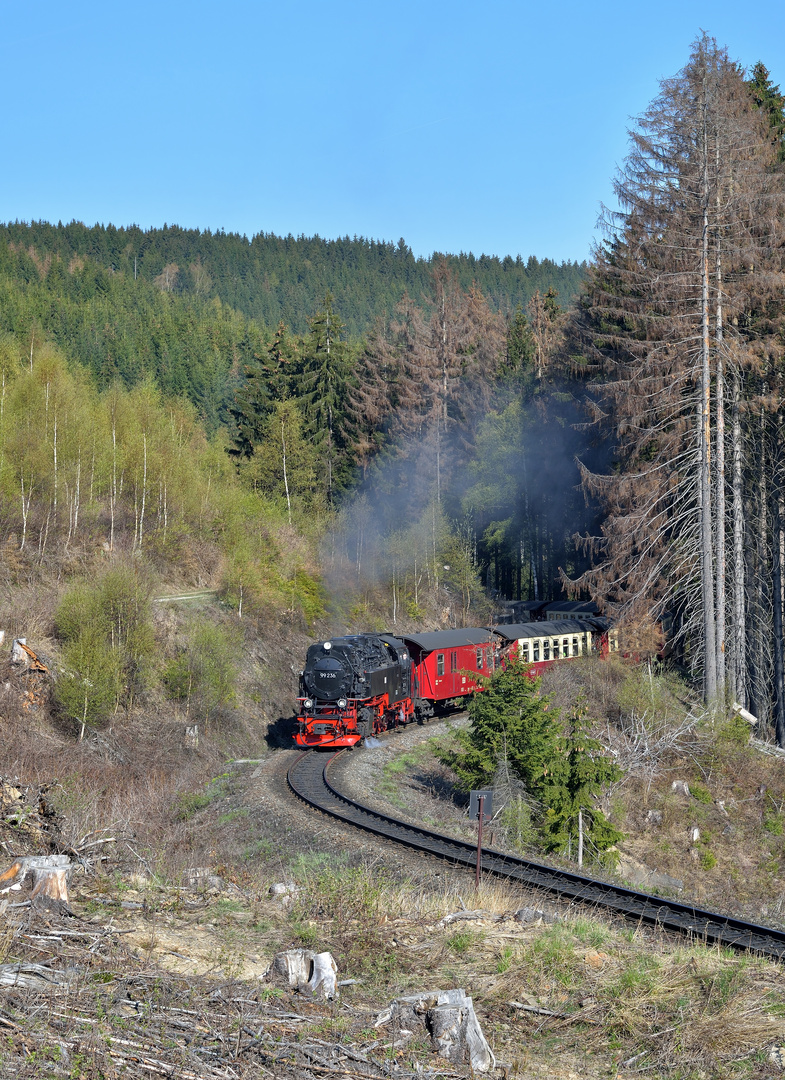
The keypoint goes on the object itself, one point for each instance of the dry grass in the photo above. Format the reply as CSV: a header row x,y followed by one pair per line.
x,y
595,982
590,993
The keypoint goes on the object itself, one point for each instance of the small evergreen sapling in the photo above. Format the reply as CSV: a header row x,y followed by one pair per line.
x,y
510,720
573,817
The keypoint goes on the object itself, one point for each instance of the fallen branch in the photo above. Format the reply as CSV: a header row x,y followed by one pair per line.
x,y
458,916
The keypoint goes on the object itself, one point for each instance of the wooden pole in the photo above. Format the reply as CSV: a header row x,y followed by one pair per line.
x,y
479,843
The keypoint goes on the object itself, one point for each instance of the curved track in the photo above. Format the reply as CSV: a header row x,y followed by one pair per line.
x,y
308,779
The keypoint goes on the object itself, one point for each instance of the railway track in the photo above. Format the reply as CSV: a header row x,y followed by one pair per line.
x,y
308,779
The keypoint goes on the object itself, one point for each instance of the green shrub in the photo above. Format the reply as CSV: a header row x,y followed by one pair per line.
x,y
462,941
708,859
89,688
773,818
657,697
189,803
205,672
516,820
736,731
108,644
700,793
177,677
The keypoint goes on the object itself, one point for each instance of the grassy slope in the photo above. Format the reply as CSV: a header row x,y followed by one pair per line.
x,y
607,991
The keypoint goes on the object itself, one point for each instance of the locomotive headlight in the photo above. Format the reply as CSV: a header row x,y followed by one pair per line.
x,y
308,703
342,703
327,646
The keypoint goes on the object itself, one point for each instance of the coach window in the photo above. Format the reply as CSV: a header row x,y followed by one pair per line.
x,y
546,649
574,646
525,651
453,662
565,647
440,663
479,659
535,651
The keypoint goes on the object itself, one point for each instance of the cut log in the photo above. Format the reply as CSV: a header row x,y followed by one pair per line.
x,y
31,976
459,916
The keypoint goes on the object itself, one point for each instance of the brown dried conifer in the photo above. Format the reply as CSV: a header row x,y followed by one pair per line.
x,y
685,291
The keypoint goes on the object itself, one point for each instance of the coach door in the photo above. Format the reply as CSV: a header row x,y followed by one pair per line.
x,y
453,682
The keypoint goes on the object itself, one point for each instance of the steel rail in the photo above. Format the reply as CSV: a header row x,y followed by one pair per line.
x,y
308,779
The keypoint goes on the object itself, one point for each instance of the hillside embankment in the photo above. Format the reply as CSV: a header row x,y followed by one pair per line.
x,y
159,967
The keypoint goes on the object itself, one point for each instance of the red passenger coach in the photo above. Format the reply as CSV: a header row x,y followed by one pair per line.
x,y
449,664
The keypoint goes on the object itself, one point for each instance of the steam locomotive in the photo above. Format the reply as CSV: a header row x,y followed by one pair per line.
x,y
353,686
356,686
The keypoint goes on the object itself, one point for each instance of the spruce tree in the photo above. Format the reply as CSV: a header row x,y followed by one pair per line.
x,y
267,380
562,768
520,349
510,720
323,386
771,102
586,771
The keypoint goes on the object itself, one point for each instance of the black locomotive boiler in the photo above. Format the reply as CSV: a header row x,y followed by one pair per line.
x,y
352,687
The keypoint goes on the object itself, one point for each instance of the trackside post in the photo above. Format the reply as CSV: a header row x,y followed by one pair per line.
x,y
480,806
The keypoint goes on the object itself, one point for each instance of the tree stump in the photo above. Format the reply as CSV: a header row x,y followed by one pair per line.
x,y
451,1022
294,965
322,982
456,1034
309,972
49,874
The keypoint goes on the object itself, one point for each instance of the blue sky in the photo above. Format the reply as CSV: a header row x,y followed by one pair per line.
x,y
493,128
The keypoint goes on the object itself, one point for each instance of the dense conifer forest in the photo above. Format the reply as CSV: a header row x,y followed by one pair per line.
x,y
189,308
267,279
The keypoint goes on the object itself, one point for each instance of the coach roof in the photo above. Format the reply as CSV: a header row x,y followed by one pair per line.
x,y
449,639
513,631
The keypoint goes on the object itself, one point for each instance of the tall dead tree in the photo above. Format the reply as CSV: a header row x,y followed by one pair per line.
x,y
692,253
